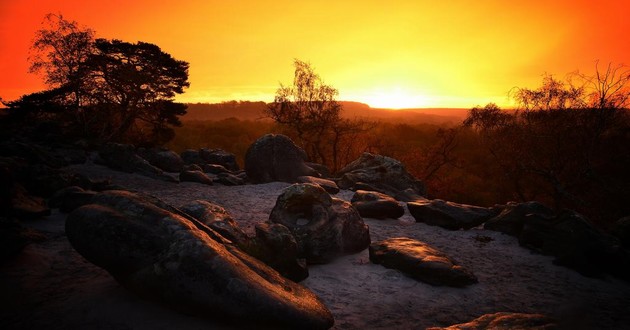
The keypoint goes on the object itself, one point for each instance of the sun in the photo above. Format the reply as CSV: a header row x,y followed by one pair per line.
x,y
395,98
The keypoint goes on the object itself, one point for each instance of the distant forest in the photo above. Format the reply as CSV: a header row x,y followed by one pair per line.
x,y
248,110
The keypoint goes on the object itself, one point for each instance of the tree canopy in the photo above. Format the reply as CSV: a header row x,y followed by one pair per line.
x,y
104,90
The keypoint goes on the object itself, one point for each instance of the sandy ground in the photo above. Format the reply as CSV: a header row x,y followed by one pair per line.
x,y
50,286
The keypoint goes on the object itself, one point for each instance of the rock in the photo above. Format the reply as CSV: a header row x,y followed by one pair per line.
x,y
25,206
164,159
323,171
193,167
228,179
621,230
371,204
420,261
191,156
219,157
165,256
449,215
498,321
384,174
329,185
194,176
274,157
512,217
71,198
324,227
122,157
575,243
214,169
217,218
13,238
276,246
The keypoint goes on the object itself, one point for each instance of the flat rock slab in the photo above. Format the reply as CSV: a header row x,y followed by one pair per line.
x,y
504,320
420,261
449,215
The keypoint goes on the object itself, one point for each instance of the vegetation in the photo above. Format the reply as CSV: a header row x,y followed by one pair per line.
x,y
310,113
103,90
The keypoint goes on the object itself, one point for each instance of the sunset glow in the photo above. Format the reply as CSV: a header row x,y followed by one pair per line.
x,y
399,54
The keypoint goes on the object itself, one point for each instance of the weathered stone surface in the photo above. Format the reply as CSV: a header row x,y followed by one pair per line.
x,y
420,261
383,174
191,156
217,218
123,157
214,169
276,246
13,238
274,157
329,185
622,231
26,206
229,179
506,321
194,176
165,256
219,157
512,217
372,204
162,158
323,171
323,227
449,215
575,243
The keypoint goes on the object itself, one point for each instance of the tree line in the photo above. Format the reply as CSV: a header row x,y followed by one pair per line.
x,y
102,90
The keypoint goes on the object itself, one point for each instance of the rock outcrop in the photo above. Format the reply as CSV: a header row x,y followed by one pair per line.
x,y
512,218
371,204
164,159
497,321
449,215
123,157
219,157
194,176
382,174
217,218
274,157
329,185
421,262
324,227
160,253
575,243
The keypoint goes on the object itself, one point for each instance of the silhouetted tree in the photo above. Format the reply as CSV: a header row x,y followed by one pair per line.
x,y
310,109
107,90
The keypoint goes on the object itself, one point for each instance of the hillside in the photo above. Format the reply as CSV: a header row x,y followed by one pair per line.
x,y
247,110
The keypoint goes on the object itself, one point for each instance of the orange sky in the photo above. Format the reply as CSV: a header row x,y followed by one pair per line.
x,y
384,53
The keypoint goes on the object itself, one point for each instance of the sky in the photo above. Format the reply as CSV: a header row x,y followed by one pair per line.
x,y
396,54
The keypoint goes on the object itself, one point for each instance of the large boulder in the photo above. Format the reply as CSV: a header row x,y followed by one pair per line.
x,y
219,157
275,245
504,320
217,218
274,157
162,254
512,217
194,176
372,204
123,157
449,215
324,227
329,185
575,243
383,174
421,262
26,206
164,159
621,230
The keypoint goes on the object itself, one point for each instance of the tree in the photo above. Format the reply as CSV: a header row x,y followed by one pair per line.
x,y
105,90
309,108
